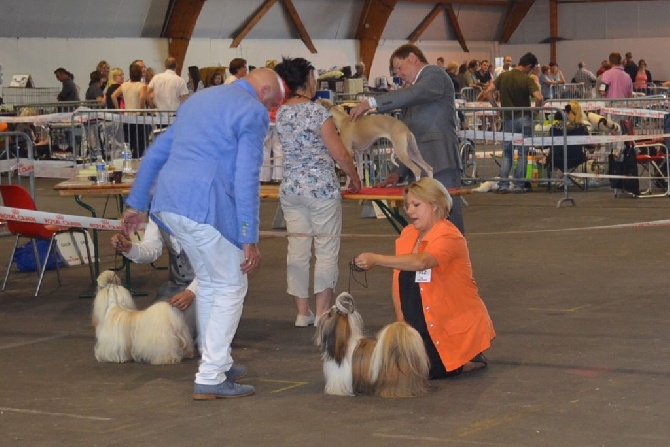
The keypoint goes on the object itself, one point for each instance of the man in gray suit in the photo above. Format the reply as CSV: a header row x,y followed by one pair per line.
x,y
429,110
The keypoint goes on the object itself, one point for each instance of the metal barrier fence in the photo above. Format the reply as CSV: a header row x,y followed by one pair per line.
x,y
570,91
105,131
543,143
45,108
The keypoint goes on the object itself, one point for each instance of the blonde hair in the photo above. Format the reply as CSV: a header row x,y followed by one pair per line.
x,y
431,191
576,110
114,72
28,111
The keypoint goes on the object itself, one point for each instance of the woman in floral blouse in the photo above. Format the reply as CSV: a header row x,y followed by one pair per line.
x,y
310,191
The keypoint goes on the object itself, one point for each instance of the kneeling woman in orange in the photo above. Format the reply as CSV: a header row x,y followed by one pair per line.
x,y
433,287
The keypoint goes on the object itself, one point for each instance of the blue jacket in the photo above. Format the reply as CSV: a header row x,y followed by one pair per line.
x,y
206,165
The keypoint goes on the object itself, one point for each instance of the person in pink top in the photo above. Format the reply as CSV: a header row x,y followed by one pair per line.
x,y
615,82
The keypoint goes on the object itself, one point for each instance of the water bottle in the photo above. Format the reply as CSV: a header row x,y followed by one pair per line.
x,y
127,156
101,173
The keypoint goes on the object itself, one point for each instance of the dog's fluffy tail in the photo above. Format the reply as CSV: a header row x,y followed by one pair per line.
x,y
107,278
399,365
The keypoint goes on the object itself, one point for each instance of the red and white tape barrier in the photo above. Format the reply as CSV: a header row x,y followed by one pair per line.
x,y
41,217
62,220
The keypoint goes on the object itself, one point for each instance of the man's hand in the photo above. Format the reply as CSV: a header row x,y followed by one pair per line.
x,y
391,180
132,219
359,110
252,258
121,243
182,300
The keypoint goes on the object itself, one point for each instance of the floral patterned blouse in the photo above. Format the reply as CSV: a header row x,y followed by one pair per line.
x,y
309,169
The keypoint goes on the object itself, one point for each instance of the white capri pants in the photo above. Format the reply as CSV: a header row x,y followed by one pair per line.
x,y
310,215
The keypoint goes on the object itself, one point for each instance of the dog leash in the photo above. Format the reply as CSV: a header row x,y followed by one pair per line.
x,y
353,270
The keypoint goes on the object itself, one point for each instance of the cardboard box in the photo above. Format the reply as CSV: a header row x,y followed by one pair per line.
x,y
335,85
73,249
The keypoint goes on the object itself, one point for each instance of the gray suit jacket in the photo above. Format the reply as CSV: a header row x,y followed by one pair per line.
x,y
429,110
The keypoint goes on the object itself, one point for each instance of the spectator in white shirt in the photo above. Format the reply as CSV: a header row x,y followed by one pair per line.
x,y
167,90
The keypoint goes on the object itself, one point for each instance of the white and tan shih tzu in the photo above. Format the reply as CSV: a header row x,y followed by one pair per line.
x,y
395,364
158,335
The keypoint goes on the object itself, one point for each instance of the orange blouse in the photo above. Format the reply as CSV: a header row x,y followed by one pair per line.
x,y
457,319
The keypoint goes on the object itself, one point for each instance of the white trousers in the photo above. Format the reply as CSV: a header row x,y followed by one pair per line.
x,y
309,215
221,291
273,157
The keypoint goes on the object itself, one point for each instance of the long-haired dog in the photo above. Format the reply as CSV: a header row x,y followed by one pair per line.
x,y
357,136
158,335
395,364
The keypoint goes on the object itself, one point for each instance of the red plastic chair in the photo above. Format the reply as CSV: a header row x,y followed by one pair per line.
x,y
16,196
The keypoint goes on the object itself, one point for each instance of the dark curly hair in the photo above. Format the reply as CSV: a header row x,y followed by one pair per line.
x,y
294,72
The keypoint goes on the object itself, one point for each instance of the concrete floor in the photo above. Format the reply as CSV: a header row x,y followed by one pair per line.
x,y
581,358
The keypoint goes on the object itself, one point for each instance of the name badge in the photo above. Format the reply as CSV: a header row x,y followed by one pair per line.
x,y
423,275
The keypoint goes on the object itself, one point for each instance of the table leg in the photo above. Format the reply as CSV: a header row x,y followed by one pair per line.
x,y
393,215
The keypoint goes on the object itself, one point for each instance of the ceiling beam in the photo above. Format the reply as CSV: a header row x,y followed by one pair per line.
x,y
258,15
295,17
501,3
180,20
374,16
453,21
515,15
425,23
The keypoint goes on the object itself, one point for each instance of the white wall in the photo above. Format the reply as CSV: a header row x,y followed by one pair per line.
x,y
40,57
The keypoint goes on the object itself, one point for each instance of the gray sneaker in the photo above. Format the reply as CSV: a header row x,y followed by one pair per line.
x,y
236,372
223,390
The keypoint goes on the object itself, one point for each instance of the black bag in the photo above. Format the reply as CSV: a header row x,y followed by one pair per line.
x,y
628,166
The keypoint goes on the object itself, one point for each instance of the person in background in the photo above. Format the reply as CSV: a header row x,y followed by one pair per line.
x,y
180,289
615,82
584,76
629,66
215,79
134,93
116,78
309,193
428,108
167,90
360,74
238,69
483,75
546,82
94,91
516,88
103,68
506,66
642,78
203,171
452,71
602,68
143,67
194,83
433,288
149,75
599,80
69,90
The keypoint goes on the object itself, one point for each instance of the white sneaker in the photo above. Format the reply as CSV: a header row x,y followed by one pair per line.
x,y
304,320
